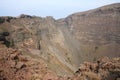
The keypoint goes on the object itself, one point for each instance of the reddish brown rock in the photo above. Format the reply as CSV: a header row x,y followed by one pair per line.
x,y
50,76
20,65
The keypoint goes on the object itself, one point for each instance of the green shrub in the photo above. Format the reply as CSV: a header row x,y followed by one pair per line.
x,y
1,20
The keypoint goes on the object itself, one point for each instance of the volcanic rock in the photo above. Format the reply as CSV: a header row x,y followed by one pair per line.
x,y
66,43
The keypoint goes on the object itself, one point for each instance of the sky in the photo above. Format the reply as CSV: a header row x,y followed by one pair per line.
x,y
56,8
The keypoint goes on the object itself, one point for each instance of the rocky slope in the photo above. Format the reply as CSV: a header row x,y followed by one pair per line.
x,y
103,69
97,26
97,30
16,66
65,43
44,38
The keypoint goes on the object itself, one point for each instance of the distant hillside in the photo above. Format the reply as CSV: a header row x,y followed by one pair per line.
x,y
97,30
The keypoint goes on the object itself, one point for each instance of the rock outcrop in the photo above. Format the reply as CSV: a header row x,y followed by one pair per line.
x,y
16,66
103,69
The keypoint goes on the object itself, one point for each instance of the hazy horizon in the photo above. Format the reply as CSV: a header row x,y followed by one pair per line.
x,y
57,9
